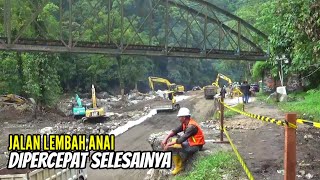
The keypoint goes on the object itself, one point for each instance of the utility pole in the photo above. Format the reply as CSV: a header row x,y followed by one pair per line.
x,y
286,61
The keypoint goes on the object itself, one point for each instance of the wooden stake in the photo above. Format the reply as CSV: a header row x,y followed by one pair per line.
x,y
221,118
290,151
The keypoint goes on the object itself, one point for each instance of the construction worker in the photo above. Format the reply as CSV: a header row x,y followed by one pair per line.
x,y
245,89
190,142
223,91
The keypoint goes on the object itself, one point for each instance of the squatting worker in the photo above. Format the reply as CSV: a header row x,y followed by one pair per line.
x,y
190,142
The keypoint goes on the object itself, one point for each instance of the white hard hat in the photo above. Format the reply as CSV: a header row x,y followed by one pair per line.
x,y
184,112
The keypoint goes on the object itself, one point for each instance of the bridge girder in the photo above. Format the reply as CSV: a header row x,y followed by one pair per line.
x,y
178,28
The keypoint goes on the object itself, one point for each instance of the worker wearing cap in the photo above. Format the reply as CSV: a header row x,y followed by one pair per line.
x,y
190,142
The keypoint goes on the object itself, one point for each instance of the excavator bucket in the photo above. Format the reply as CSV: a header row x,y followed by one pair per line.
x,y
166,102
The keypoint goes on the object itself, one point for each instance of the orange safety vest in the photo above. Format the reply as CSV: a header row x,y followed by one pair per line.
x,y
197,139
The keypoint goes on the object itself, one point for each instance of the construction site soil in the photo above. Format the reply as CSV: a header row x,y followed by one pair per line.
x,y
261,144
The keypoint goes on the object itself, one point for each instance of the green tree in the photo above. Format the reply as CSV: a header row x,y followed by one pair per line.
x,y
10,81
42,80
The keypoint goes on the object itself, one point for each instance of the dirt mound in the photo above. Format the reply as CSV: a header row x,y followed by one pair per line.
x,y
9,113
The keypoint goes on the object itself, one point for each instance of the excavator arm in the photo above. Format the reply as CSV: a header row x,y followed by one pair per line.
x,y
94,99
78,100
151,84
95,111
216,83
235,90
78,110
159,80
225,78
171,86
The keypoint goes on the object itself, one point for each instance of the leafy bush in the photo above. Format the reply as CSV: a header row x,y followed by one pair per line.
x,y
258,70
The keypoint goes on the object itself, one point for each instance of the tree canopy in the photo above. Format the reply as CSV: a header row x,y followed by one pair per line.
x,y
292,26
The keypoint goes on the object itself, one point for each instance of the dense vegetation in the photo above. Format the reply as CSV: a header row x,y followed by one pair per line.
x,y
293,28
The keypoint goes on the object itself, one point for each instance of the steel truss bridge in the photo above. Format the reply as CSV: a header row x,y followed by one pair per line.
x,y
173,28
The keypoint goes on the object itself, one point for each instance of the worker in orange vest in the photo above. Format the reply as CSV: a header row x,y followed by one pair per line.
x,y
190,142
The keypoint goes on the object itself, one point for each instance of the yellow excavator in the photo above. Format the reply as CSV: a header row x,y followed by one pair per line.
x,y
167,102
12,98
177,89
94,112
216,83
235,90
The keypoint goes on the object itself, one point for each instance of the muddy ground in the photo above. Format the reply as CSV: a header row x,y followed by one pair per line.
x,y
260,143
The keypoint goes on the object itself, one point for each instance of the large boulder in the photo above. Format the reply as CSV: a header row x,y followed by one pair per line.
x,y
165,174
136,95
65,107
283,93
103,95
283,98
274,97
155,141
